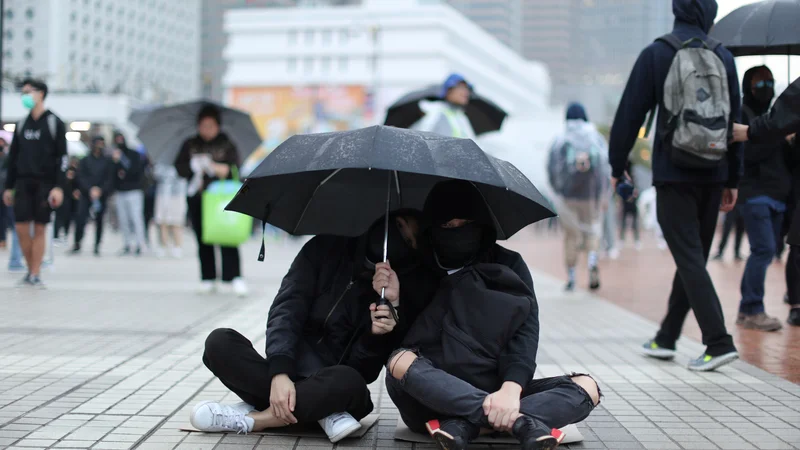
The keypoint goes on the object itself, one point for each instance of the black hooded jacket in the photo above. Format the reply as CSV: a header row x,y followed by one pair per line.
x,y
320,316
766,172
96,171
782,120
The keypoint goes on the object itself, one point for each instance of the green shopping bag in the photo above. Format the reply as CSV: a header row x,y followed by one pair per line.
x,y
220,227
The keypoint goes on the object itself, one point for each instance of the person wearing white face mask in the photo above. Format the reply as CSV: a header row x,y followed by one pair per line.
x,y
36,175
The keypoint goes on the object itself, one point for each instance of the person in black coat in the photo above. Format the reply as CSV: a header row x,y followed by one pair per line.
x,y
326,339
470,356
96,182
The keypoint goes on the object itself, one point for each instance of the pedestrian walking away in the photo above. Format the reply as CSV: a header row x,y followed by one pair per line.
x,y
96,182
579,174
36,176
695,171
129,185
763,194
207,157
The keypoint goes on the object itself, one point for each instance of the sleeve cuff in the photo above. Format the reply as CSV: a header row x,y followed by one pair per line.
x,y
279,364
617,173
519,374
733,182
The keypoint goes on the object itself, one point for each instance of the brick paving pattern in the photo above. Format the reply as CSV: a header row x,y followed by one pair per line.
x,y
109,358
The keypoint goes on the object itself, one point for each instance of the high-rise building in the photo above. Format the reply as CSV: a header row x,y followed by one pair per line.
x,y
590,46
148,49
213,39
501,18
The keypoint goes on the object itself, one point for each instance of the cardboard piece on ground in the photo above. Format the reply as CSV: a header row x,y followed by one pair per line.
x,y
403,433
307,430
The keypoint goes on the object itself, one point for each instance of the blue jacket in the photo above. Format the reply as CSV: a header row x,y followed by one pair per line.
x,y
645,90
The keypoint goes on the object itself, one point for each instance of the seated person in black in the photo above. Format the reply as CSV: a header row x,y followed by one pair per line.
x,y
325,339
468,361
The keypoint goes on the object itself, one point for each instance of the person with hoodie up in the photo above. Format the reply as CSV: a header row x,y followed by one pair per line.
x,y
129,169
96,182
579,173
467,363
326,336
763,194
204,158
692,81
447,117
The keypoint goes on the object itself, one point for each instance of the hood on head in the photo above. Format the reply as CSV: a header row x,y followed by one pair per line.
x,y
117,136
700,13
451,82
576,111
747,91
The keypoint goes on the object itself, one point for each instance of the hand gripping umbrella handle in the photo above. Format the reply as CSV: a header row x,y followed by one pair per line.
x,y
383,300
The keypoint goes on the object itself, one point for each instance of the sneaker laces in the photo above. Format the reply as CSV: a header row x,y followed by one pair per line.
x,y
231,420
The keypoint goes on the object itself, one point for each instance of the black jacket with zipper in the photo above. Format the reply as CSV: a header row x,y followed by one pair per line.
x,y
765,169
96,171
320,316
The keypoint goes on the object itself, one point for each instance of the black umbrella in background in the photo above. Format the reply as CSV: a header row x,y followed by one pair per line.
x,y
765,28
483,114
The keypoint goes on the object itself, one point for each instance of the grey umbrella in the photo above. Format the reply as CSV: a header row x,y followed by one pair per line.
x,y
139,116
167,128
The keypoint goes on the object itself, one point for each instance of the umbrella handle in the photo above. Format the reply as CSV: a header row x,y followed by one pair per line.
x,y
383,300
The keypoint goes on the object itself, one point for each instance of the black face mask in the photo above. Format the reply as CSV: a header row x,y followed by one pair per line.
x,y
456,247
764,95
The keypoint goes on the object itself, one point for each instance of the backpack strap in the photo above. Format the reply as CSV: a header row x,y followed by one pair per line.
x,y
20,126
671,40
52,125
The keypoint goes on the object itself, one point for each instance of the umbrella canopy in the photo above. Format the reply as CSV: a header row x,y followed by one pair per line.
x,y
764,28
165,130
483,114
139,116
337,183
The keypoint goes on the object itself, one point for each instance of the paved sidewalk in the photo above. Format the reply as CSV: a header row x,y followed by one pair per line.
x,y
109,358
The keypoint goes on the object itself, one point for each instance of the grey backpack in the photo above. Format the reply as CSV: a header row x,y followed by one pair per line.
x,y
697,103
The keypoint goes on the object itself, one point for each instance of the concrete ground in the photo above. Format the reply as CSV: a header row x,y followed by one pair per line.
x,y
108,357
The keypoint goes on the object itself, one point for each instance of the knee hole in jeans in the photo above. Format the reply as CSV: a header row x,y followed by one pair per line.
x,y
399,363
589,386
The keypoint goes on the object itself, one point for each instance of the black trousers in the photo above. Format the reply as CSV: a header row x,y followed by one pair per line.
x,y
232,358
793,275
733,218
231,264
687,214
426,393
65,214
84,204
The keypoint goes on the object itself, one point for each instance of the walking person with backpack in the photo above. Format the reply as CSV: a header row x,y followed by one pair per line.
x,y
36,176
578,172
763,198
692,80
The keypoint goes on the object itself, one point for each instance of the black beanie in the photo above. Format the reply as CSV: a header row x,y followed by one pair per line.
x,y
456,199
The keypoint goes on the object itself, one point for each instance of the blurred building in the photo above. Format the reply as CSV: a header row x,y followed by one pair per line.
x,y
213,37
307,70
501,18
147,49
590,46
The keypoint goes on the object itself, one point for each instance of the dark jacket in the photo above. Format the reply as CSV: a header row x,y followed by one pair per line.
x,y
221,149
469,327
793,212
765,170
35,153
320,316
3,168
96,171
645,90
129,171
782,120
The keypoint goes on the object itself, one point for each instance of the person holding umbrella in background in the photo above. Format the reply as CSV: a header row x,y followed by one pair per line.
x,y
209,156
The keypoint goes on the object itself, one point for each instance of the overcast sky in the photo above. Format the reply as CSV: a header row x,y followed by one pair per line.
x,y
778,64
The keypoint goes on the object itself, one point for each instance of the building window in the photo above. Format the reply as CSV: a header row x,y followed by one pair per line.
x,y
7,54
343,62
28,54
73,36
344,36
308,65
326,64
9,35
29,13
309,37
73,16
291,64
327,37
29,34
292,37
9,14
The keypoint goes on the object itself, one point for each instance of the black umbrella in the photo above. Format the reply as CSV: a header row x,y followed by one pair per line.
x,y
483,114
167,128
336,183
763,28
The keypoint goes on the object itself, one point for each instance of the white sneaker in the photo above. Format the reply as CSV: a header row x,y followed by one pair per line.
x,y
338,426
214,417
207,287
239,287
176,252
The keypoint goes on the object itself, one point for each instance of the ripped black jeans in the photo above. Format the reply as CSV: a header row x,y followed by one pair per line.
x,y
426,393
